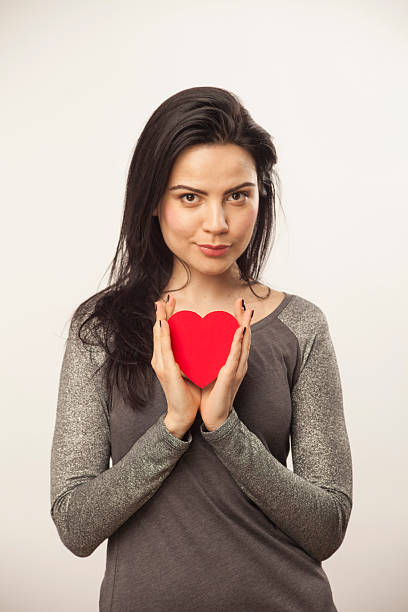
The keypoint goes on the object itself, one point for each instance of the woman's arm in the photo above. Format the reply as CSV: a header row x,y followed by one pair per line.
x,y
89,500
312,504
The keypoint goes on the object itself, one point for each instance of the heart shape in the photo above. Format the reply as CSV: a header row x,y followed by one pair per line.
x,y
201,345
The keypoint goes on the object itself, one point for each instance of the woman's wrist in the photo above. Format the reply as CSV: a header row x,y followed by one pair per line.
x,y
176,430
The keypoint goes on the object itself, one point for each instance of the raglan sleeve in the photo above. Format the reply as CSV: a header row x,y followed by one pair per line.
x,y
311,504
89,499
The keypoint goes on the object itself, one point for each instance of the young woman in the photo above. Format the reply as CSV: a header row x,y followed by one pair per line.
x,y
199,509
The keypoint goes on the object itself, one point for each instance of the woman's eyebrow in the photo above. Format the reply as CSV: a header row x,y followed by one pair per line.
x,y
247,184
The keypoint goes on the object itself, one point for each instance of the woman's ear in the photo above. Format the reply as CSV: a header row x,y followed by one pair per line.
x,y
155,212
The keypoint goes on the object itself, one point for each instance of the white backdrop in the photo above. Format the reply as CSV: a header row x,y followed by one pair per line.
x,y
326,79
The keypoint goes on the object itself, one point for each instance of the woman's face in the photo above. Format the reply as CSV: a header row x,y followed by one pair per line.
x,y
212,207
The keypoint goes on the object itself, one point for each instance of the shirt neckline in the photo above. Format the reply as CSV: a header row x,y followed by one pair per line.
x,y
272,315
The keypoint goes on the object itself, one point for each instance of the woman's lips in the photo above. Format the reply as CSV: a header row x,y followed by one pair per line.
x,y
213,252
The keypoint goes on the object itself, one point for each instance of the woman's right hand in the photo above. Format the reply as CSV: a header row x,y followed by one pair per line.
x,y
183,397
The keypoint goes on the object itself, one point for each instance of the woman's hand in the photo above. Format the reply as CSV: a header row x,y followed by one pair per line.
x,y
183,396
217,397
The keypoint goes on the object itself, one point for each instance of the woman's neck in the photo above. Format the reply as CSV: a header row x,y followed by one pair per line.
x,y
204,288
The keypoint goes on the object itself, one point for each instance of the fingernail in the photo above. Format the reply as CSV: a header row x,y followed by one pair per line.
x,y
243,304
160,322
252,314
243,333
168,297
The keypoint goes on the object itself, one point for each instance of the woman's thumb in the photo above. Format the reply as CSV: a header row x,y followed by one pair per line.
x,y
170,306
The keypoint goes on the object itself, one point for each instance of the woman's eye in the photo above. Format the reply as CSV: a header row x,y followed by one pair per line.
x,y
245,193
184,195
187,194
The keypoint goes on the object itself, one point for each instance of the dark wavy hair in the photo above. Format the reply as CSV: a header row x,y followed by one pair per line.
x,y
121,317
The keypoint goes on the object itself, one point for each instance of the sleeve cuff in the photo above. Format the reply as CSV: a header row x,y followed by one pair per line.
x,y
223,430
173,440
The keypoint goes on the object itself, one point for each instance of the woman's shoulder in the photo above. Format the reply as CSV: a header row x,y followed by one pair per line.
x,y
85,330
296,304
303,315
84,309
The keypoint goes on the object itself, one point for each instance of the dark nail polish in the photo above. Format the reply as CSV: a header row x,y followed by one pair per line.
x,y
243,333
252,314
160,322
168,297
243,304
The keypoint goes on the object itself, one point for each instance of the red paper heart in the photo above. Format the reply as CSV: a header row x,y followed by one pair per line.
x,y
201,345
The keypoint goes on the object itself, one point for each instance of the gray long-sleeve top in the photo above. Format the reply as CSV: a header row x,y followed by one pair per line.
x,y
216,521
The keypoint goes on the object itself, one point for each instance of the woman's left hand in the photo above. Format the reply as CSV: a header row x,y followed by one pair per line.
x,y
217,397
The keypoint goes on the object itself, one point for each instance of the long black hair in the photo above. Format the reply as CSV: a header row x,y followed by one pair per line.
x,y
121,317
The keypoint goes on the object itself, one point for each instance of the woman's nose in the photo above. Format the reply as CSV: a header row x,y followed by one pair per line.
x,y
214,218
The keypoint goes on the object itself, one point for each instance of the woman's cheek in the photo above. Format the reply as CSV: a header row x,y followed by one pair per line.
x,y
178,223
247,221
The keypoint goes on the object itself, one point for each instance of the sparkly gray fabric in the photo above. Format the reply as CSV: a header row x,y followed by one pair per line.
x,y
217,522
89,501
319,491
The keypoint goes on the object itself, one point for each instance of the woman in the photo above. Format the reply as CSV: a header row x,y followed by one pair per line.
x,y
200,511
